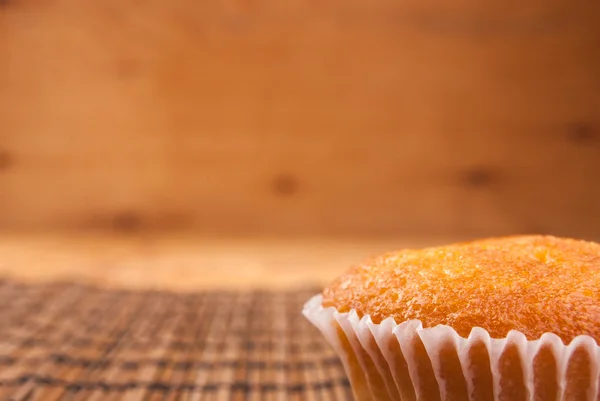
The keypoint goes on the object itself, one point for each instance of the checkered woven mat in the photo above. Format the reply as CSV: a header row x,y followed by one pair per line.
x,y
77,342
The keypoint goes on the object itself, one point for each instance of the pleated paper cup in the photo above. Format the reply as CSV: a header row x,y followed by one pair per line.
x,y
404,361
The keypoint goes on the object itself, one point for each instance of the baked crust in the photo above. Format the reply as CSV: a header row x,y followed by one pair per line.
x,y
533,284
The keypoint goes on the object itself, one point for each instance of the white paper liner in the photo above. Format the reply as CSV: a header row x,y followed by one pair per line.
x,y
398,362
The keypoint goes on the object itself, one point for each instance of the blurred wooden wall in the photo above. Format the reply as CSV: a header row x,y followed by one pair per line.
x,y
301,116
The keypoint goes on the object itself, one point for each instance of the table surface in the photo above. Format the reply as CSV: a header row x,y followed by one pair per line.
x,y
187,262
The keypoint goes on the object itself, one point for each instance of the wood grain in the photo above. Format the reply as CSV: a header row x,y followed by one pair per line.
x,y
301,117
184,262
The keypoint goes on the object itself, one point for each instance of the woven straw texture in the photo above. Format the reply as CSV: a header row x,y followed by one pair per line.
x,y
77,342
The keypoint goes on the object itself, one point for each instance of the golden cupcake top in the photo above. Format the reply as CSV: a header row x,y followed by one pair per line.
x,y
534,284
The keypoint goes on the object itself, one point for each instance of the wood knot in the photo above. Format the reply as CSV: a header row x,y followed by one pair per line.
x,y
581,133
6,160
478,177
127,221
285,185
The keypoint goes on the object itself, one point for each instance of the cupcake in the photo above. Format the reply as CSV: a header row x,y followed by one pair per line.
x,y
515,318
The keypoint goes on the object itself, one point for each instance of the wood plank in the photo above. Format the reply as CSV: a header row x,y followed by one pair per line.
x,y
184,262
334,117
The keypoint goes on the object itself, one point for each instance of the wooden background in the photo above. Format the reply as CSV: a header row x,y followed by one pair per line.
x,y
301,117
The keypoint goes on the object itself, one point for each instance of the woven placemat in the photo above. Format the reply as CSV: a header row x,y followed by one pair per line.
x,y
77,342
